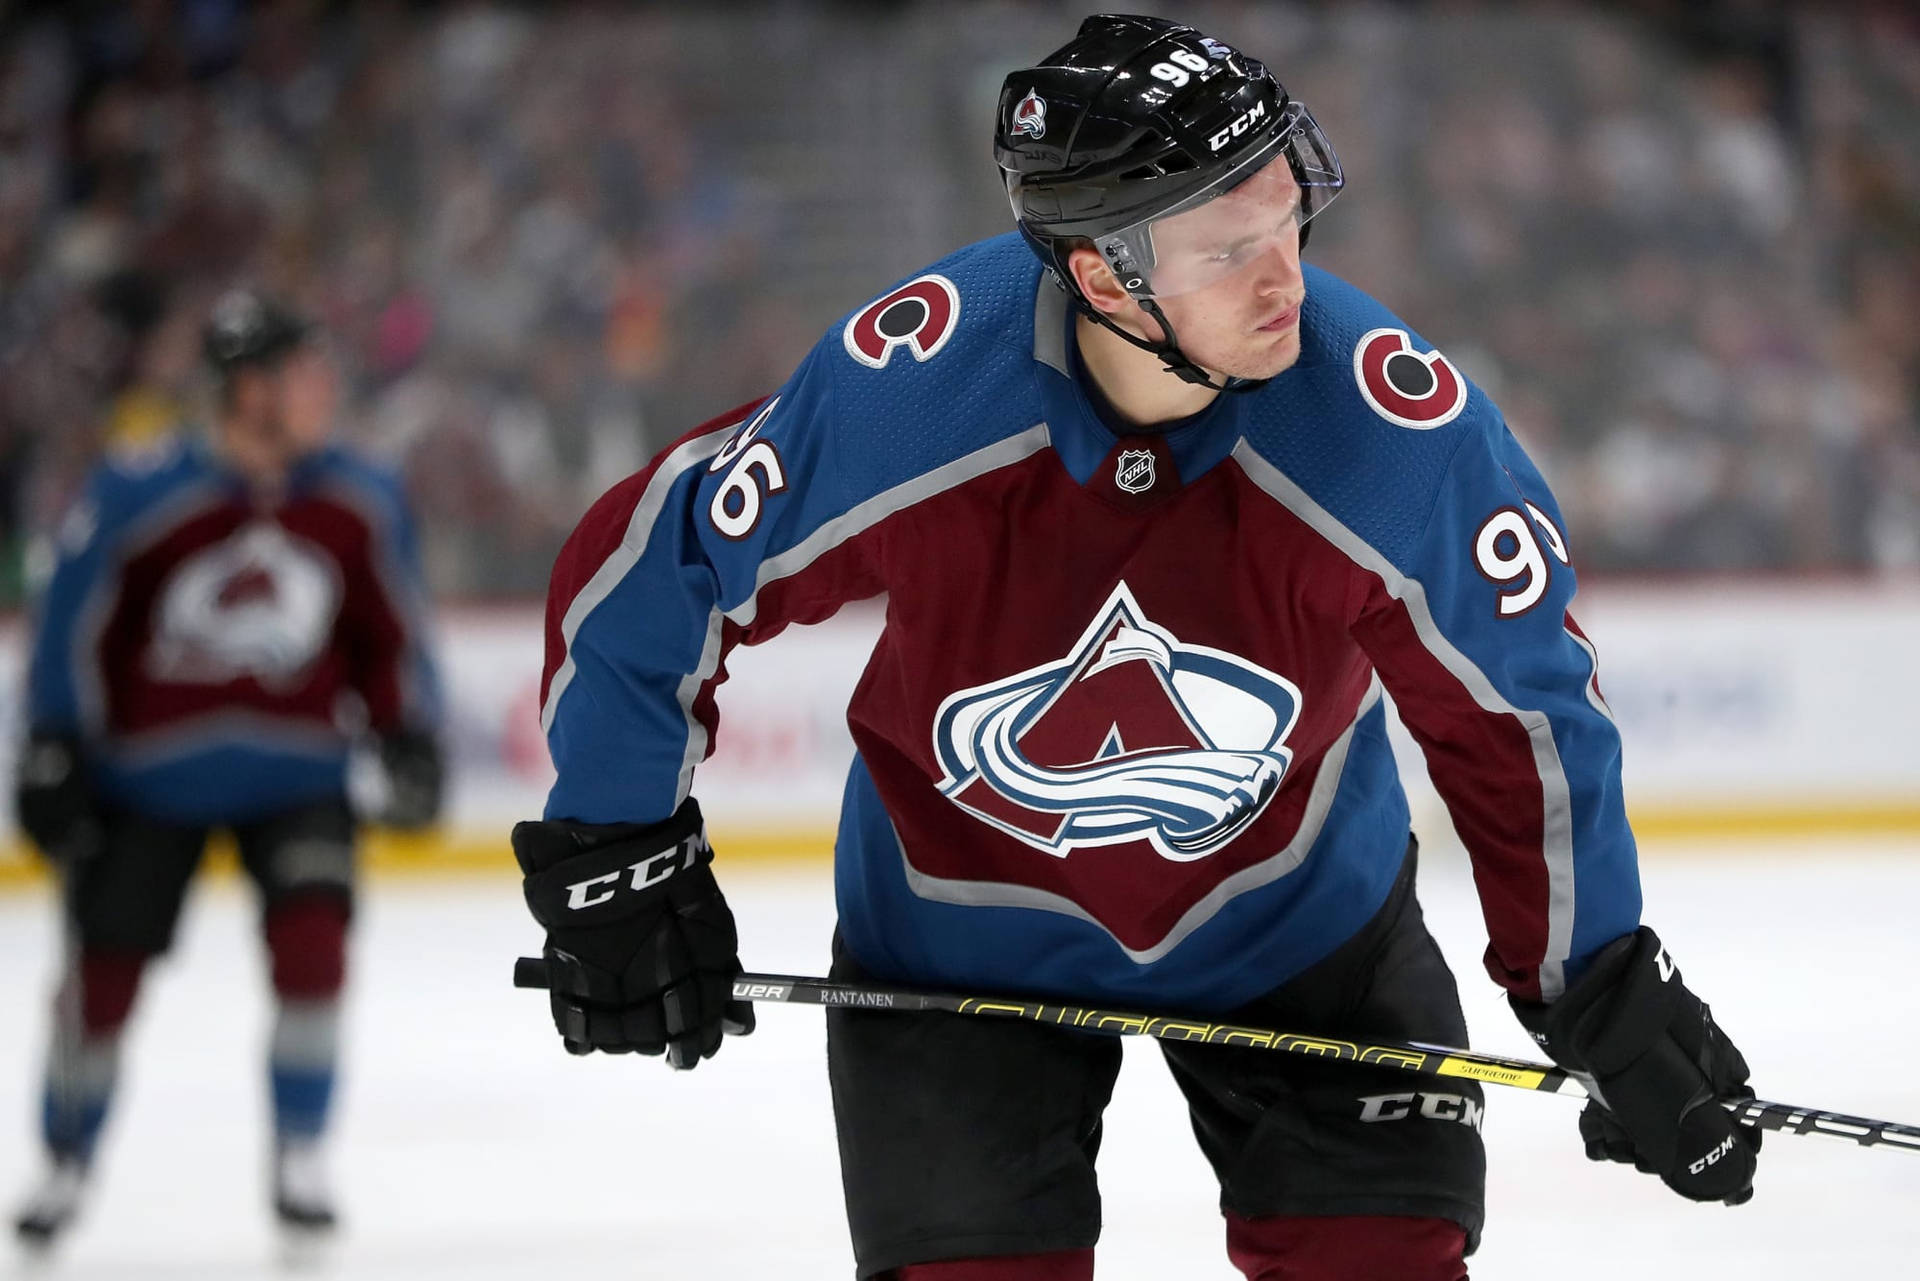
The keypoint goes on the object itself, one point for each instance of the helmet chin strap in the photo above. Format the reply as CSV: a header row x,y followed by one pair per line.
x,y
1177,362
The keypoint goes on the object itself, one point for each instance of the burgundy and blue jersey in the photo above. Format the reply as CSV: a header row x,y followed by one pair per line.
x,y
203,644
1123,735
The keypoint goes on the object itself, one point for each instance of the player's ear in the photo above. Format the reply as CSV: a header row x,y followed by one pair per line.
x,y
1097,281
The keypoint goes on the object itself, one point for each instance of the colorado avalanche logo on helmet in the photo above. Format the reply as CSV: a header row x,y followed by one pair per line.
x,y
1132,736
1030,116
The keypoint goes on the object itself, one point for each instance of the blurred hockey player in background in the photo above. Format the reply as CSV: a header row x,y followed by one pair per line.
x,y
1159,513
227,619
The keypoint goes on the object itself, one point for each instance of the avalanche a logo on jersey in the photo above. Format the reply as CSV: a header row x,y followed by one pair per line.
x,y
258,604
1132,736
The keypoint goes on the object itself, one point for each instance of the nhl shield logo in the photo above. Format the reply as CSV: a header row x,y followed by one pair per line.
x,y
1030,117
1134,472
1132,736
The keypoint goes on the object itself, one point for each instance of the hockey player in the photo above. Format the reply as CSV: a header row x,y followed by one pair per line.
x,y
213,605
1158,516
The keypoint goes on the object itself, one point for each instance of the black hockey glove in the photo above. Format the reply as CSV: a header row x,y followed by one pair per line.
x,y
55,803
1660,1064
416,779
641,950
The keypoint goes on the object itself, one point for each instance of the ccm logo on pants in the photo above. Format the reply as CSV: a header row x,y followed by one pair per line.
x,y
1434,1107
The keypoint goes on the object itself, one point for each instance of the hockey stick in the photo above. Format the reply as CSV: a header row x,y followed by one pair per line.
x,y
1413,1056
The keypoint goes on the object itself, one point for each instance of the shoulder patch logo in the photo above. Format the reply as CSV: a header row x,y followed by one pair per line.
x,y
1405,387
1131,736
920,316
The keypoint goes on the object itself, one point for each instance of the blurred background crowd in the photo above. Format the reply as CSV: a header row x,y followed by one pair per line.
x,y
1678,242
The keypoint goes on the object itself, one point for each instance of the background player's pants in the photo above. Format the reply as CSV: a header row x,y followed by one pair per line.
x,y
122,907
974,1140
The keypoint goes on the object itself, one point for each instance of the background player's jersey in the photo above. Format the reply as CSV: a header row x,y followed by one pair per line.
x,y
1122,736
201,645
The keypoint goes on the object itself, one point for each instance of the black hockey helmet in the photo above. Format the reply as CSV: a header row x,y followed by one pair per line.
x,y
247,327
1135,121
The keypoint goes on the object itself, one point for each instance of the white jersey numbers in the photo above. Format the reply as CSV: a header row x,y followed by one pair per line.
x,y
738,445
757,472
1556,541
1508,551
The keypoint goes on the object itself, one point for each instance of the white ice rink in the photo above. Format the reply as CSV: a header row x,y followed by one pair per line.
x,y
471,1148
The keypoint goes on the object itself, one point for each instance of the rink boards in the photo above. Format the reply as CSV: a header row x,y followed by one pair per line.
x,y
1762,708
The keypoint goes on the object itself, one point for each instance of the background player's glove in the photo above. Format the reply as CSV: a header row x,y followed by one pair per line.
x,y
55,803
1661,1065
416,779
641,949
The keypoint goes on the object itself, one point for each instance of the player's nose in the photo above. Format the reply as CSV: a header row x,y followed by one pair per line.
x,y
1278,269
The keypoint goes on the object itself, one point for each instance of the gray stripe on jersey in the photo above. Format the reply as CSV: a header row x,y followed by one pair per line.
x,y
1557,815
1050,325
828,536
858,519
633,545
1593,677
688,690
1312,819
224,727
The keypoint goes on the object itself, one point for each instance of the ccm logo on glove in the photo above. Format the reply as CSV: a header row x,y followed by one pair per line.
x,y
650,870
1726,1146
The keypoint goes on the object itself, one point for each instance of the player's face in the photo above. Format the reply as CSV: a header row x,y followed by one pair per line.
x,y
309,395
278,413
1228,276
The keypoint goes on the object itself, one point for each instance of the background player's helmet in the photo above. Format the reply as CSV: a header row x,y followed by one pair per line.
x,y
1137,120
246,327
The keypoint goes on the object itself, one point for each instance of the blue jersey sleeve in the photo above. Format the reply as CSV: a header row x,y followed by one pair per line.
x,y
1478,645
62,684
736,531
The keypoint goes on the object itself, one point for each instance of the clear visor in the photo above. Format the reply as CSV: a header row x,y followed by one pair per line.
x,y
1254,208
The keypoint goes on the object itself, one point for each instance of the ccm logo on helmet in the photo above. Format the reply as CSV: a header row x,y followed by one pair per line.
x,y
1404,386
920,316
1247,120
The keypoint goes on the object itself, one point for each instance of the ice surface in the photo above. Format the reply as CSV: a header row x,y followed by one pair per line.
x,y
471,1147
